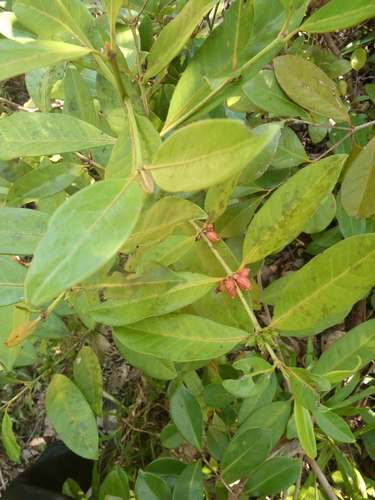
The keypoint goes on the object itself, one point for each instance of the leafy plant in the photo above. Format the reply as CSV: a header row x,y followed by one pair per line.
x,y
166,132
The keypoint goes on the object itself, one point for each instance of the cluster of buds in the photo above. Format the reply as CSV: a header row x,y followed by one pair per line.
x,y
229,284
210,233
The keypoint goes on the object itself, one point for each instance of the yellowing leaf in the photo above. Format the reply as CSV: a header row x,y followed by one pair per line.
x,y
22,332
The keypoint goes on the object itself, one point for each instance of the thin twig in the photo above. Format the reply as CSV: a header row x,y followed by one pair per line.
x,y
18,106
91,162
322,479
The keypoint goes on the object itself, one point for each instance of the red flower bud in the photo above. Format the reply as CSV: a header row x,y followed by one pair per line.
x,y
212,236
245,271
210,227
230,287
243,282
221,287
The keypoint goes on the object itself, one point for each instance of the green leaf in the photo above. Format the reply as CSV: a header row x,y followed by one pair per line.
x,y
88,378
285,214
158,222
273,476
349,226
12,278
149,300
186,414
115,484
39,83
9,441
306,387
78,100
189,485
272,417
358,185
322,217
216,396
221,149
338,15
266,93
236,217
245,452
36,134
218,197
18,58
180,337
334,426
305,429
217,442
11,28
69,20
308,86
110,105
42,182
161,369
346,270
170,437
289,152
175,35
152,487
67,256
350,352
245,386
71,416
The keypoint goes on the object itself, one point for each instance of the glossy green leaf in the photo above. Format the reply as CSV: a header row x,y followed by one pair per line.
x,y
327,285
349,225
167,468
218,197
88,378
69,20
175,35
246,30
151,487
165,252
170,437
236,217
217,442
39,83
245,452
216,396
252,404
189,485
110,105
42,182
78,100
246,386
289,152
158,222
305,429
272,417
12,278
358,185
113,7
11,28
273,476
80,238
149,300
351,352
9,441
288,210
307,386
186,414
115,484
221,149
180,337
266,93
18,58
322,217
339,14
71,416
161,369
308,86
334,426
35,134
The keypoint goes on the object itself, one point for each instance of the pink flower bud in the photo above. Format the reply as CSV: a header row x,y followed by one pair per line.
x,y
245,271
230,286
243,282
212,236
